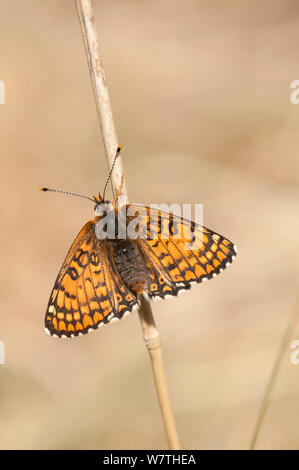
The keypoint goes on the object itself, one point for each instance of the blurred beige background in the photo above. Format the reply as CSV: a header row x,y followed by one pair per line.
x,y
201,99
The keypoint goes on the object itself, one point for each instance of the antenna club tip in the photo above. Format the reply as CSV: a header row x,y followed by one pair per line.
x,y
119,148
43,189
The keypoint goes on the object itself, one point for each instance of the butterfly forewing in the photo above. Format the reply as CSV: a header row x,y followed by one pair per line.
x,y
181,251
88,291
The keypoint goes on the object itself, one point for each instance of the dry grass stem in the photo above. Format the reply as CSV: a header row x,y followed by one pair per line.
x,y
284,345
150,332
153,342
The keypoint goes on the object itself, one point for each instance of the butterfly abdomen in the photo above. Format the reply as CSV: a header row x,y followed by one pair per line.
x,y
129,265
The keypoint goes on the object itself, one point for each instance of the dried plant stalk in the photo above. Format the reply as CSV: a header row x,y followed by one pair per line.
x,y
153,342
284,345
150,332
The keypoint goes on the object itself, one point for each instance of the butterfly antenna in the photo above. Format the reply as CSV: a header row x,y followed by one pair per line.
x,y
66,192
110,172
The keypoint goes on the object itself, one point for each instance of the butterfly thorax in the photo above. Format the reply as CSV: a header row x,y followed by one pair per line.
x,y
111,226
129,265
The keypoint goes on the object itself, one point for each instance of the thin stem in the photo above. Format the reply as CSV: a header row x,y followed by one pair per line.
x,y
285,341
153,342
98,79
150,332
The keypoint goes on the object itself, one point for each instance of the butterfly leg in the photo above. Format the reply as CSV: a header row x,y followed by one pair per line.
x,y
119,191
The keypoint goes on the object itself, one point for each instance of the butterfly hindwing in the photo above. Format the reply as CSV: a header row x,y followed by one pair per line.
x,y
159,284
88,291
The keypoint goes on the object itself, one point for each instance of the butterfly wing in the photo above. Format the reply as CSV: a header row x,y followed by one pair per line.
x,y
167,247
88,291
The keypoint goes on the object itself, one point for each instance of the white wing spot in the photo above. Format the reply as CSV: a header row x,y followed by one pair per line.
x,y
114,319
156,298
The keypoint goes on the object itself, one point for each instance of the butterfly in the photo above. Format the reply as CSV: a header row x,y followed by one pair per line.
x,y
102,277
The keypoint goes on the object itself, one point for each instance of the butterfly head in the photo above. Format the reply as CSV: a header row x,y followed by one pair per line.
x,y
102,205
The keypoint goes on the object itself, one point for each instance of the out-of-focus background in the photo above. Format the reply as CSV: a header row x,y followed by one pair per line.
x,y
201,98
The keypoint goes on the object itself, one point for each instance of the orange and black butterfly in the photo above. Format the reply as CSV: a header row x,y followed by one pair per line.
x,y
102,277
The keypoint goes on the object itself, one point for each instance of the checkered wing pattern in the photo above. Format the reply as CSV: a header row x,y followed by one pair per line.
x,y
88,291
179,252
